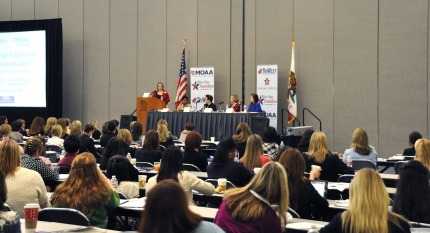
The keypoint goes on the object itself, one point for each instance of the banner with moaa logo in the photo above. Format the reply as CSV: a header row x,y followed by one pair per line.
x,y
202,83
267,91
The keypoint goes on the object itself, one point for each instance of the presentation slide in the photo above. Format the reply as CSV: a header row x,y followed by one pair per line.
x,y
22,69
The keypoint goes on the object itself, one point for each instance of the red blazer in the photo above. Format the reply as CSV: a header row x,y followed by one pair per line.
x,y
166,97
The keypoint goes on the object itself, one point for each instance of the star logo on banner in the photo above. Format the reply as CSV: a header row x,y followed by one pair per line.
x,y
194,100
195,86
267,81
261,100
260,71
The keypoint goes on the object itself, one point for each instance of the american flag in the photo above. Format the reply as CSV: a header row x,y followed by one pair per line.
x,y
181,89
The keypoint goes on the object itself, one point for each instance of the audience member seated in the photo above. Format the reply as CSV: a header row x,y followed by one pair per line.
x,y
51,121
125,136
208,103
71,145
23,185
42,154
251,208
56,140
121,168
302,193
96,134
412,199
15,134
86,189
104,128
368,208
192,154
166,210
188,128
164,122
23,131
65,124
3,120
422,148
254,156
234,103
254,106
87,143
303,145
114,147
270,147
136,134
76,128
413,137
30,159
9,220
171,168
37,127
184,104
149,152
318,154
223,165
163,135
241,136
5,131
281,150
360,148
111,128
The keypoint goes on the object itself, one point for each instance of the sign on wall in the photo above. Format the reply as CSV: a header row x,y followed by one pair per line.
x,y
202,84
267,91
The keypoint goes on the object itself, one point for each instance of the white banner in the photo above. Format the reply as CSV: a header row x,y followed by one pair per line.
x,y
202,84
267,91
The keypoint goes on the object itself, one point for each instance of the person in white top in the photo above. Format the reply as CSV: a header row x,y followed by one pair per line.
x,y
56,131
171,168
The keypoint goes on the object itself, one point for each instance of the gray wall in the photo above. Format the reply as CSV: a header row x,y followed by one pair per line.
x,y
358,63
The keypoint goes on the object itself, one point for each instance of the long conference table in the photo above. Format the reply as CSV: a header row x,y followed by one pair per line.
x,y
216,124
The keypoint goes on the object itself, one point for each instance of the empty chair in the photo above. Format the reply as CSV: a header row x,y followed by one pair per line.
x,y
345,178
64,215
358,164
214,182
190,167
398,166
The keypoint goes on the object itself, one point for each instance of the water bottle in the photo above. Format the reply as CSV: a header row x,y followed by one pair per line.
x,y
114,182
236,156
128,156
348,161
161,98
282,144
244,108
48,162
313,229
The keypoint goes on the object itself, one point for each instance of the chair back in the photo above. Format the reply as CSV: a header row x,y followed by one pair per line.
x,y
345,178
190,167
144,165
419,225
64,215
293,213
161,148
214,182
54,148
399,165
121,195
358,164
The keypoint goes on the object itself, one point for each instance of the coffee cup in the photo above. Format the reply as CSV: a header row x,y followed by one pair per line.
x,y
212,139
31,213
222,182
142,181
133,161
315,168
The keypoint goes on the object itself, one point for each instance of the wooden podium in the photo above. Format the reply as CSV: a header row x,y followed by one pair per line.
x,y
145,105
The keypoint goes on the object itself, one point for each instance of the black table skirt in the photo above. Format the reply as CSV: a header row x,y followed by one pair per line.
x,y
218,125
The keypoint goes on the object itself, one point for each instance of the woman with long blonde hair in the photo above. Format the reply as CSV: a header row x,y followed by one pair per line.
x,y
51,121
96,134
163,134
422,148
241,135
260,206
368,208
86,189
319,155
76,128
360,148
254,153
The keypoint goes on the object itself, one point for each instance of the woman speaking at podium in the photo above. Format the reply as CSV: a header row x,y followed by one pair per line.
x,y
161,94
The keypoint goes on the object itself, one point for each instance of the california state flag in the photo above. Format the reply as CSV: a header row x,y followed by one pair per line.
x,y
292,87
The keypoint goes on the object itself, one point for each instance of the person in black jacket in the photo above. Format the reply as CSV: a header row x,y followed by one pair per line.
x,y
87,143
302,192
114,147
318,154
111,128
413,137
208,103
149,153
192,154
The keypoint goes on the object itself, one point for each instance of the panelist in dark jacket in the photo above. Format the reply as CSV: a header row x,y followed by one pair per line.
x,y
208,103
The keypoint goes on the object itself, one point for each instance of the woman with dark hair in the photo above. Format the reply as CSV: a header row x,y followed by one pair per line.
x,y
413,137
136,134
121,168
302,192
254,106
3,120
303,145
241,136
9,220
270,146
65,124
223,165
87,143
166,211
149,152
23,131
115,147
192,154
15,134
86,189
412,199
111,128
37,127
171,168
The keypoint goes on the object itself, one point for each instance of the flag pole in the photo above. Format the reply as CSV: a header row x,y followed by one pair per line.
x,y
185,41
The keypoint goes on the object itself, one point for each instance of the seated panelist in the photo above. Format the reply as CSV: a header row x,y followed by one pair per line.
x,y
254,106
234,103
208,102
183,104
